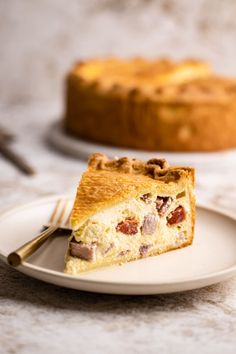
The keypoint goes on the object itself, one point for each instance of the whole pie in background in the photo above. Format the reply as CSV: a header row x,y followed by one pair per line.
x,y
151,105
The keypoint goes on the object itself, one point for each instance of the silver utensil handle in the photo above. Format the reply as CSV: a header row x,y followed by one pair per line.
x,y
16,159
18,256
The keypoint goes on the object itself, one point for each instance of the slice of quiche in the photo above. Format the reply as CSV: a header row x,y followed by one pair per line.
x,y
126,209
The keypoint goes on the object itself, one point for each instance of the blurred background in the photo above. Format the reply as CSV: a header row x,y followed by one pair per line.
x,y
41,39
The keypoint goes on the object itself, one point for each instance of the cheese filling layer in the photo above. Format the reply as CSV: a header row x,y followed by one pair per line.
x,y
134,228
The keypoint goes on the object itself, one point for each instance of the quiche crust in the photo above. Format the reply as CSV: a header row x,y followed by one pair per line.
x,y
126,209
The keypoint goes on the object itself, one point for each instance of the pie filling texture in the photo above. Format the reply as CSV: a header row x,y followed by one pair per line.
x,y
136,227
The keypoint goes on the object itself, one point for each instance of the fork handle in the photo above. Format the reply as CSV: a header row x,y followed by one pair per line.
x,y
18,256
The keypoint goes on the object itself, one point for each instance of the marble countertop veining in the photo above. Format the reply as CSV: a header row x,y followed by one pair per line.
x,y
36,317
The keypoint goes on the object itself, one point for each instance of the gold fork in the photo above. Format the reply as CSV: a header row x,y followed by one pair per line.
x,y
60,219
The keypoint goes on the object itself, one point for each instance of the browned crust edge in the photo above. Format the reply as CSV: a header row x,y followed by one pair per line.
x,y
155,168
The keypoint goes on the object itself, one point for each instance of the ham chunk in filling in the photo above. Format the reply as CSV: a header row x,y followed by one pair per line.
x,y
83,250
149,224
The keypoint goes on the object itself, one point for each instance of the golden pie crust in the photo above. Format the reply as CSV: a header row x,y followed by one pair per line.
x,y
108,182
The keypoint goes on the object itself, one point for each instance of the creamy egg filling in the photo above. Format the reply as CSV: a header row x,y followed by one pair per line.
x,y
136,228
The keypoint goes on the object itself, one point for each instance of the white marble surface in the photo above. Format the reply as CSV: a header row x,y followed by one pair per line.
x,y
37,317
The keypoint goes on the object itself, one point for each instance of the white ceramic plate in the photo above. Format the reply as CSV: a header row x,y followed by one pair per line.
x,y
82,149
211,258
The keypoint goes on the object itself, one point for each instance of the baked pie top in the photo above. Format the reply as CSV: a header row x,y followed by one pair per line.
x,y
208,89
108,182
160,80
138,72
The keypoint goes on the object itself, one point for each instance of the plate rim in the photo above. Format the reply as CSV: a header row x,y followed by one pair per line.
x,y
226,273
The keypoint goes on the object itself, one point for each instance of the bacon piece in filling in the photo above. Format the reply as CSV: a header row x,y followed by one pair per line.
x,y
128,227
